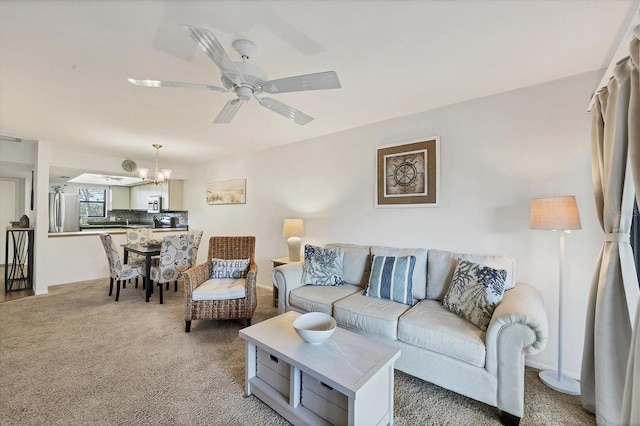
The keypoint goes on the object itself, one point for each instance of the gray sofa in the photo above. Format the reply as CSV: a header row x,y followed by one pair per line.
x,y
436,345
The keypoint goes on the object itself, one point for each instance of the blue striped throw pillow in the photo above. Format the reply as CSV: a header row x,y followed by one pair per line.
x,y
391,278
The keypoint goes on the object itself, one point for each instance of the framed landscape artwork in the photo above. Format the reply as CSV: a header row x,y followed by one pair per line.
x,y
408,174
227,192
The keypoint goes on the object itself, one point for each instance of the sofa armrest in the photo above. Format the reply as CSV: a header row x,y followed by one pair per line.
x,y
518,327
286,278
195,276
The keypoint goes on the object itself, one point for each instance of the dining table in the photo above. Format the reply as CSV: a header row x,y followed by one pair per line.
x,y
148,251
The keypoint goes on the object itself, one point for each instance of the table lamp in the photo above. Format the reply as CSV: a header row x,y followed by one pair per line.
x,y
557,214
293,229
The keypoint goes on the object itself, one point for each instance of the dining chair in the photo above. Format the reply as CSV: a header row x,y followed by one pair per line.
x,y
231,292
138,236
119,271
197,238
175,258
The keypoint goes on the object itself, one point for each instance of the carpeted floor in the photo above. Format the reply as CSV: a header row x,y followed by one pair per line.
x,y
76,357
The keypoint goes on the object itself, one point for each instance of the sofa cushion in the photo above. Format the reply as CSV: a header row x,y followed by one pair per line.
x,y
223,289
428,325
474,292
356,264
310,298
391,278
370,315
419,279
322,266
229,268
442,264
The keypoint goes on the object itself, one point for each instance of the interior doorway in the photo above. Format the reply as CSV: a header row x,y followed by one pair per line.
x,y
8,211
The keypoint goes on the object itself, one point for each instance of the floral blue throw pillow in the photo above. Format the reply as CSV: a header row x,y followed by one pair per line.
x,y
322,266
475,291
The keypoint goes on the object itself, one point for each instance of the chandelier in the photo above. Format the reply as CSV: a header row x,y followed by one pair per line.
x,y
161,177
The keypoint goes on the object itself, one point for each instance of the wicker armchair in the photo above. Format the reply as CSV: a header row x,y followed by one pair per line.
x,y
222,304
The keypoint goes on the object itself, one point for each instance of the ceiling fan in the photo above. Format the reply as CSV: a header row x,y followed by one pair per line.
x,y
247,80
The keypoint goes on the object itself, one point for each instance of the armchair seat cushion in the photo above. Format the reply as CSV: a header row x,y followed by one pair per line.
x,y
431,326
311,298
221,289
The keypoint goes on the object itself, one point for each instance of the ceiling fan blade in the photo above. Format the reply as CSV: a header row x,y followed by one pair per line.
x,y
162,83
285,110
212,47
228,111
317,81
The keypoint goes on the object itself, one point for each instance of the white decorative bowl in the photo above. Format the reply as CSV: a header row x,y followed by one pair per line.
x,y
314,327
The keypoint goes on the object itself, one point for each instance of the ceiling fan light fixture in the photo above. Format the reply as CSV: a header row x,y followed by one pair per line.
x,y
248,80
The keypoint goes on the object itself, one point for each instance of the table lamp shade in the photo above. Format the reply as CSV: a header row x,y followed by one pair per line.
x,y
554,213
293,228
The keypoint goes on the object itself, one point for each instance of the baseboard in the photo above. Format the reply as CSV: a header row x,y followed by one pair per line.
x,y
268,287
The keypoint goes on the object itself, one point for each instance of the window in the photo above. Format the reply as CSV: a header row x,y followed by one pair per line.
x,y
92,202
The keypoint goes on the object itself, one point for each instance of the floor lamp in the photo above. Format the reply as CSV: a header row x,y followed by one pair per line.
x,y
557,214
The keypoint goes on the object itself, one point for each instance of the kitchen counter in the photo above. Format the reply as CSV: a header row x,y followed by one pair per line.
x,y
120,229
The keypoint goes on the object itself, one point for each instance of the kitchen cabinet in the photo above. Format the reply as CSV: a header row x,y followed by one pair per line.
x,y
120,197
171,194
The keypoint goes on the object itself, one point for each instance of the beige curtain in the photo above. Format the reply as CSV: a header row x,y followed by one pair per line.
x,y
613,300
631,398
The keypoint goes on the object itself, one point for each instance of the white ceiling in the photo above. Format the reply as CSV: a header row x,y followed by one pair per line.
x,y
64,65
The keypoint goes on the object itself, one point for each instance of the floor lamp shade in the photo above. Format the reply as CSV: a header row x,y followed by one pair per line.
x,y
293,229
557,214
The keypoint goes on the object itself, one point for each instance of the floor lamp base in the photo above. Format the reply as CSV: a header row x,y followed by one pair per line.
x,y
565,384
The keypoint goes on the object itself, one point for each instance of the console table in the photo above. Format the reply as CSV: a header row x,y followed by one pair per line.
x,y
347,379
18,262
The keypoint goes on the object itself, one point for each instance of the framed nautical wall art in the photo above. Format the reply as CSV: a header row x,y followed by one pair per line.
x,y
408,174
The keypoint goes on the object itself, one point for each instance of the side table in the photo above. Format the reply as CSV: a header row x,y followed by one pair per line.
x,y
278,262
18,269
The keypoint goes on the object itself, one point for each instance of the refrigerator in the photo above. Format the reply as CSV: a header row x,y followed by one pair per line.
x,y
64,212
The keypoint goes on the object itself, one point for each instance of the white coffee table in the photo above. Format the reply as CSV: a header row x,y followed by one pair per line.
x,y
347,379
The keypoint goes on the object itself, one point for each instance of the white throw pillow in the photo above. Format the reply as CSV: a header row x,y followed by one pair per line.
x,y
229,268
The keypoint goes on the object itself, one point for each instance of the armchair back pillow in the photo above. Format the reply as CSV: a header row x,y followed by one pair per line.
x,y
229,268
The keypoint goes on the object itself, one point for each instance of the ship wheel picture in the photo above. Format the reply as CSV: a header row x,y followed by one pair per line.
x,y
405,174
408,174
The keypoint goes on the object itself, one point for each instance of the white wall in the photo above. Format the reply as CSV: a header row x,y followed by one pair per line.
x,y
497,153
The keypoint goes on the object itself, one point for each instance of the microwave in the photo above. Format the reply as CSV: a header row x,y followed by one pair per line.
x,y
155,204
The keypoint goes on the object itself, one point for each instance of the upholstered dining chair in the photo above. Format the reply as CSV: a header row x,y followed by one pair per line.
x,y
175,258
219,289
138,236
197,238
119,271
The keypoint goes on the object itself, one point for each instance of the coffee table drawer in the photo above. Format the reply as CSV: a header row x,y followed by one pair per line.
x,y
272,362
273,371
324,408
325,391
